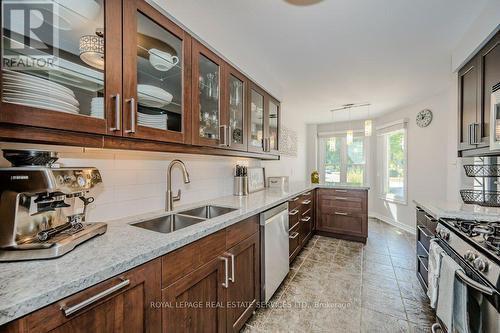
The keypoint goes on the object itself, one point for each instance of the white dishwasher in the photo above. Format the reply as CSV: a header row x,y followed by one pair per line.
x,y
274,249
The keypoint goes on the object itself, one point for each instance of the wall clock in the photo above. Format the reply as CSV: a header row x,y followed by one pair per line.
x,y
424,118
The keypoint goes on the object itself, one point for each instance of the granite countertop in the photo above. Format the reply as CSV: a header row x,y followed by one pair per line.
x,y
459,210
30,285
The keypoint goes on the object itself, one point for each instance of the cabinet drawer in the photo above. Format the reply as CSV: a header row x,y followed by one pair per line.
x,y
344,223
293,217
241,231
294,203
422,266
424,236
344,193
294,240
186,259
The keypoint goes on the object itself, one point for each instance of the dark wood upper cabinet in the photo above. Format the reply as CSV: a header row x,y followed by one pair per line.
x,y
256,118
156,68
236,107
475,82
468,104
125,71
273,115
209,112
489,65
72,82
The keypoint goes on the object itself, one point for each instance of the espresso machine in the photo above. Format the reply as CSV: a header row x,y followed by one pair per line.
x,y
39,217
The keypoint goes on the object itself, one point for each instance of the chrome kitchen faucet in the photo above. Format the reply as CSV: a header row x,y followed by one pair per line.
x,y
169,202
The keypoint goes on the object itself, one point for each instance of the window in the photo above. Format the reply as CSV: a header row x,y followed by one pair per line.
x,y
340,162
392,164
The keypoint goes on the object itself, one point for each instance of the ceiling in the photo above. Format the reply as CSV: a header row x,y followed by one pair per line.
x,y
390,53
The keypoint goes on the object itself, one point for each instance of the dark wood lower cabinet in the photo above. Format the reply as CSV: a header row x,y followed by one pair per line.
x,y
196,302
210,285
128,309
343,213
243,292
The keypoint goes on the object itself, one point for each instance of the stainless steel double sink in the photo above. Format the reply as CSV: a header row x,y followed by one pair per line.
x,y
183,219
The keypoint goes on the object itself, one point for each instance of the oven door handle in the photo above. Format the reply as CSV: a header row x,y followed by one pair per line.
x,y
476,285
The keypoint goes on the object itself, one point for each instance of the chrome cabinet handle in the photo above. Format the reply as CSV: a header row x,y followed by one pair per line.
x,y
72,309
118,111
306,194
340,213
232,279
223,134
435,326
229,135
306,219
132,115
340,198
306,202
422,230
294,199
341,191
225,284
295,235
472,283
430,218
293,212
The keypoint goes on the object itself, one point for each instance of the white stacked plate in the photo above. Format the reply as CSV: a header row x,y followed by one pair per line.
x,y
152,96
158,121
97,107
23,89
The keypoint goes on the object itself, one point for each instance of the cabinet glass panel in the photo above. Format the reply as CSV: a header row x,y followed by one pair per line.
x,y
159,76
236,88
273,125
208,89
53,55
256,119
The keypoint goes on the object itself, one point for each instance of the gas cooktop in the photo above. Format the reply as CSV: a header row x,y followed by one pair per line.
x,y
485,235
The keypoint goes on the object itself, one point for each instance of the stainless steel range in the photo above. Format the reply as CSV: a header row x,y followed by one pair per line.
x,y
475,246
38,208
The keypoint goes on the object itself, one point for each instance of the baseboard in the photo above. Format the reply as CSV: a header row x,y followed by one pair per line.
x,y
392,222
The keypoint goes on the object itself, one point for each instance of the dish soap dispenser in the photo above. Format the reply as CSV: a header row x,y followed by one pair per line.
x,y
315,177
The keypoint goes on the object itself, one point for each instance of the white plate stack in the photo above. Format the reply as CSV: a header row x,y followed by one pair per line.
x,y
158,121
24,89
97,107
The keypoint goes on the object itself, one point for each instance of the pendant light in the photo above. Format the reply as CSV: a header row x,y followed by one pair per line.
x,y
350,132
368,124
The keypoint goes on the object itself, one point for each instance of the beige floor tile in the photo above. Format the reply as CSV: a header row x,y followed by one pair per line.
x,y
376,322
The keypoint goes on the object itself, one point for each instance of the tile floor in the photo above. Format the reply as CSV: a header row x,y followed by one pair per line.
x,y
341,286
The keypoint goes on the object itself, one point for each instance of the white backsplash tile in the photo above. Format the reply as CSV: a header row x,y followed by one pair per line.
x,y
135,182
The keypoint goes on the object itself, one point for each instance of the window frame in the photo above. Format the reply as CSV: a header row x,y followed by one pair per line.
x,y
382,165
322,142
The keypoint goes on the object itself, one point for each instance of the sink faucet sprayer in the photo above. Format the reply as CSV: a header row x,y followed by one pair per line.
x,y
169,202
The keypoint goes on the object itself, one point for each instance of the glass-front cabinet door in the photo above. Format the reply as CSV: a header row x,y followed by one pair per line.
x,y
209,122
61,64
156,103
256,119
273,117
236,109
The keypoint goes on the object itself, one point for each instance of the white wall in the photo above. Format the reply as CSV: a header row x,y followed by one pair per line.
x,y
135,182
188,16
430,152
483,27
